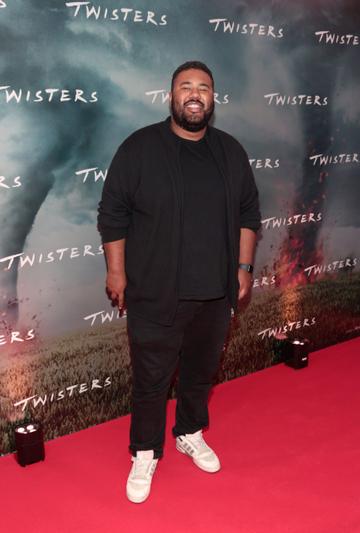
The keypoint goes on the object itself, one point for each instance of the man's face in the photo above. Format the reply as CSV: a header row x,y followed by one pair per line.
x,y
192,99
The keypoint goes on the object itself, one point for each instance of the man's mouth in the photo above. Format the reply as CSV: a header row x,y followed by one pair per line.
x,y
194,105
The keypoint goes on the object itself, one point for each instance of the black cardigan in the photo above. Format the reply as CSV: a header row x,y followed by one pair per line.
x,y
142,201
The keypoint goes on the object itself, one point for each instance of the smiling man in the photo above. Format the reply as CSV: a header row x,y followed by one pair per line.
x,y
192,103
178,218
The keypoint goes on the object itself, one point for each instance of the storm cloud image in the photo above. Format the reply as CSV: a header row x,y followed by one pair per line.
x,y
76,78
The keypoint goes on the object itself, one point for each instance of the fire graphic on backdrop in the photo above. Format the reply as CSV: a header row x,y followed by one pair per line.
x,y
289,267
302,246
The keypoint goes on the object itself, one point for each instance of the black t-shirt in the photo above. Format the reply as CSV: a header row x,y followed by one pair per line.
x,y
203,273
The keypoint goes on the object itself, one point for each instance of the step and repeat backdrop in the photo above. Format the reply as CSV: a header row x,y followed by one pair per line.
x,y
76,78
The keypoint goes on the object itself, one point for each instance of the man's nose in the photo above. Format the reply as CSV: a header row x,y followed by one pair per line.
x,y
195,92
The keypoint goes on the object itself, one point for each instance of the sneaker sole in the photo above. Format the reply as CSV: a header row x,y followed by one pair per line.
x,y
204,468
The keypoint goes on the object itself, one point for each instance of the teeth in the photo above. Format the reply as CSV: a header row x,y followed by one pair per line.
x,y
194,106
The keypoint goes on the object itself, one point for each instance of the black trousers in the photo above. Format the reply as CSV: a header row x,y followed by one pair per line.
x,y
193,344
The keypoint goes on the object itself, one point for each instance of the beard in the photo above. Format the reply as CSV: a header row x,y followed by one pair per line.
x,y
191,121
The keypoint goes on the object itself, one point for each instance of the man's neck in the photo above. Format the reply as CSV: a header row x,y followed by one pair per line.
x,y
185,134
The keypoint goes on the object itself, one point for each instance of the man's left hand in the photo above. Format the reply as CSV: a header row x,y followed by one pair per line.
x,y
245,281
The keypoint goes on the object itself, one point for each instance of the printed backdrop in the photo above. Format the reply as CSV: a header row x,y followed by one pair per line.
x,y
76,78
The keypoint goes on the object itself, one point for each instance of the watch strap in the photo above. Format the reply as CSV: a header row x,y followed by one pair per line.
x,y
246,266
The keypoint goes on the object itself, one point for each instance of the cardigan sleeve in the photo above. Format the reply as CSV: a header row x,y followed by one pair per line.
x,y
115,207
249,202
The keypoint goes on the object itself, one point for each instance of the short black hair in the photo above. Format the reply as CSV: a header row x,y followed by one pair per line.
x,y
198,65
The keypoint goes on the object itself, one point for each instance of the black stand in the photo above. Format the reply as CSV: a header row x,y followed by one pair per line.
x,y
296,353
29,442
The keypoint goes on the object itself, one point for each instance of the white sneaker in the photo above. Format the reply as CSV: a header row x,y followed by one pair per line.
x,y
194,445
139,481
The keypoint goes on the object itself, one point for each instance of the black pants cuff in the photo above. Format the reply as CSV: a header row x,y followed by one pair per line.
x,y
182,431
157,453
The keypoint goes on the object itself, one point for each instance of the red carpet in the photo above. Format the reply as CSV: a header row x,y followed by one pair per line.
x,y
289,442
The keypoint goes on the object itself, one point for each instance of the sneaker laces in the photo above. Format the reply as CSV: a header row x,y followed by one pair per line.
x,y
142,467
197,439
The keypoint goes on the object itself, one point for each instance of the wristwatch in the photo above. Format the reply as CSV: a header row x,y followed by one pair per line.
x,y
246,266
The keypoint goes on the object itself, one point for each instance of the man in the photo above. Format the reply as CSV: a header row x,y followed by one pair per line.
x,y
178,219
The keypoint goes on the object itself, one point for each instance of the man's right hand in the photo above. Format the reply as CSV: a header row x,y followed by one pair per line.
x,y
115,287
